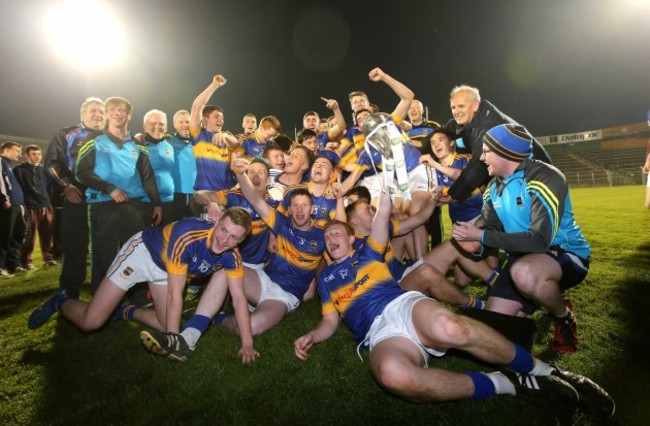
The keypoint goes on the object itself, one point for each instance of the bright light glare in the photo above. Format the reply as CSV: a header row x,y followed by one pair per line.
x,y
85,34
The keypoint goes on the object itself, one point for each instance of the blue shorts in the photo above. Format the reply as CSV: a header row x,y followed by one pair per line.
x,y
574,270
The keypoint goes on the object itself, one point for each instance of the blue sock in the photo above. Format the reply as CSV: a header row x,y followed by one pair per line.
x,y
475,302
483,386
523,360
199,322
57,301
493,276
220,317
124,312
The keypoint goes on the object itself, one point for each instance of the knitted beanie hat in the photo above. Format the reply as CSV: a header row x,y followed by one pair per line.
x,y
510,141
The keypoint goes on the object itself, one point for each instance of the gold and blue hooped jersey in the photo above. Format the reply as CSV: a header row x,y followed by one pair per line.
x,y
299,253
468,209
212,163
358,288
183,248
394,265
254,248
323,206
250,146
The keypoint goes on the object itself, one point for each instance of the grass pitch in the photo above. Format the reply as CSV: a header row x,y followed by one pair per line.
x,y
57,375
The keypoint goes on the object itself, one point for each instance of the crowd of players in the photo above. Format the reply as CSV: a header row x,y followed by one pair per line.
x,y
271,222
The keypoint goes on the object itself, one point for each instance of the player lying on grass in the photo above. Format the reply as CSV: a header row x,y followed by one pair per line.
x,y
402,329
164,257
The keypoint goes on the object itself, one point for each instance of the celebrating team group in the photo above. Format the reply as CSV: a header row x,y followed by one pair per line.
x,y
349,213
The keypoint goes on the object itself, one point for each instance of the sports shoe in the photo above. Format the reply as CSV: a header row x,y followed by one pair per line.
x,y
551,387
592,396
30,267
45,311
192,293
18,270
51,262
5,274
167,344
565,338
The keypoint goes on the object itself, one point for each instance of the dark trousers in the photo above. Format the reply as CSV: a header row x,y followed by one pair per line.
x,y
111,225
182,206
41,222
167,212
435,227
57,250
73,233
13,227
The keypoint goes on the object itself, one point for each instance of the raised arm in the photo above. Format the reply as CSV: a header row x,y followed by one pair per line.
x,y
405,94
339,127
203,98
239,167
379,229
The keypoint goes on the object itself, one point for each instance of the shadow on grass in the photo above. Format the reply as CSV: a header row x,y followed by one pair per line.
x,y
629,370
11,304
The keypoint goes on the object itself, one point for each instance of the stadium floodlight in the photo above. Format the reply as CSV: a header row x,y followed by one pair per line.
x,y
85,34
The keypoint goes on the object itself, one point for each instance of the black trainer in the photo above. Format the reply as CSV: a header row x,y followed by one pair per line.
x,y
592,396
171,345
551,387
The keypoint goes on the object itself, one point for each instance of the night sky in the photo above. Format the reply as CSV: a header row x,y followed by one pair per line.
x,y
556,66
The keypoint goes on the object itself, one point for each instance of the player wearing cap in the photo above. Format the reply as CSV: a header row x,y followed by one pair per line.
x,y
527,212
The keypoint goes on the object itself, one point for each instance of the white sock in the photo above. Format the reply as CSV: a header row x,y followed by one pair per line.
x,y
502,385
191,336
540,368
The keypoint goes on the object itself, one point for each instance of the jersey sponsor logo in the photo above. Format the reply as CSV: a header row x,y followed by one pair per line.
x,y
216,268
329,278
296,257
348,294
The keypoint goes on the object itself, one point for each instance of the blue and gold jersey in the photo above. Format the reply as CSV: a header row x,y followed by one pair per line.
x,y
394,265
254,248
250,145
183,248
323,207
212,163
299,253
355,142
358,288
468,209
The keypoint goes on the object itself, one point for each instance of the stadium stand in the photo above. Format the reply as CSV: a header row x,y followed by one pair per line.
x,y
614,159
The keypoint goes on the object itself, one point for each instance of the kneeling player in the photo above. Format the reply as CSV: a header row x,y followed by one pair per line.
x,y
164,256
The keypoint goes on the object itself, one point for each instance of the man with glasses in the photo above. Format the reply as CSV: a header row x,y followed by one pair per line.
x,y
527,212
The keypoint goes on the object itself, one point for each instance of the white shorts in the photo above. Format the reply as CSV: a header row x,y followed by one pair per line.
x,y
133,264
411,268
254,266
397,320
272,291
418,181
